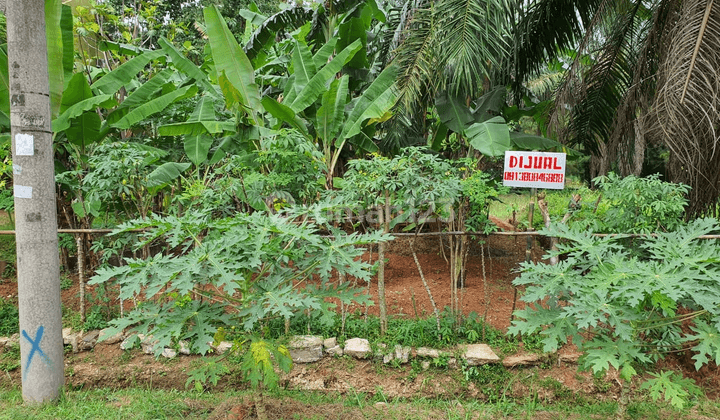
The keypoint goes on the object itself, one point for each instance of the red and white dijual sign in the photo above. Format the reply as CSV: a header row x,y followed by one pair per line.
x,y
534,170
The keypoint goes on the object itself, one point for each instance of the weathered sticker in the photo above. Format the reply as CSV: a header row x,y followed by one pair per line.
x,y
22,191
24,144
17,169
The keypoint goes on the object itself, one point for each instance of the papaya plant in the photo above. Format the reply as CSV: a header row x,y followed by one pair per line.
x,y
234,271
626,305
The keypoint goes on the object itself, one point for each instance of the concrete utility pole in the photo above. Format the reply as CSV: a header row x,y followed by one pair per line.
x,y
38,265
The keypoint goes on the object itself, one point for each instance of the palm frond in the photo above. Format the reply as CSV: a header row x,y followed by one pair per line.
x,y
417,58
473,39
546,29
686,112
287,20
594,94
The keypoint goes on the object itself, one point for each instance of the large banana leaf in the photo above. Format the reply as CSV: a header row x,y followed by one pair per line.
x,y
303,65
124,73
490,104
193,128
323,54
351,30
453,112
197,148
201,121
186,66
284,113
154,106
53,34
491,138
375,102
230,59
4,89
526,141
68,38
165,174
331,112
139,96
317,85
204,110
85,128
143,94
62,122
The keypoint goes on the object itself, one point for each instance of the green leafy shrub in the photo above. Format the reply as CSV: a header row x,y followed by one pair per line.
x,y
235,271
9,318
622,304
640,205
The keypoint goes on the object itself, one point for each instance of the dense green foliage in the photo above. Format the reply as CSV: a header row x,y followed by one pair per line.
x,y
9,318
233,271
624,303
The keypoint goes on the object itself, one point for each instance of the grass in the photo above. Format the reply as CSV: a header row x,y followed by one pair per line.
x,y
138,403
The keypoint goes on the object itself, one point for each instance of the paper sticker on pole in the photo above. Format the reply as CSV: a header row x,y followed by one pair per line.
x,y
534,170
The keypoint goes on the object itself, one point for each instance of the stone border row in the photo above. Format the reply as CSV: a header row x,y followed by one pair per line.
x,y
310,348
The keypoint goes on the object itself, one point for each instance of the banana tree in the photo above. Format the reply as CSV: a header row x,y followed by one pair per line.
x,y
321,94
484,125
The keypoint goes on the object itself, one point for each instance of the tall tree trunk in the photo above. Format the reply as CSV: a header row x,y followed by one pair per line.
x,y
38,263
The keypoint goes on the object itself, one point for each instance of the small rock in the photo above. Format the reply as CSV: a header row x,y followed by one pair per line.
x,y
306,348
110,339
223,346
402,354
89,340
479,354
425,364
329,343
453,363
169,353
357,347
147,343
307,384
569,357
427,352
184,347
521,360
380,404
129,342
335,351
66,333
388,358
